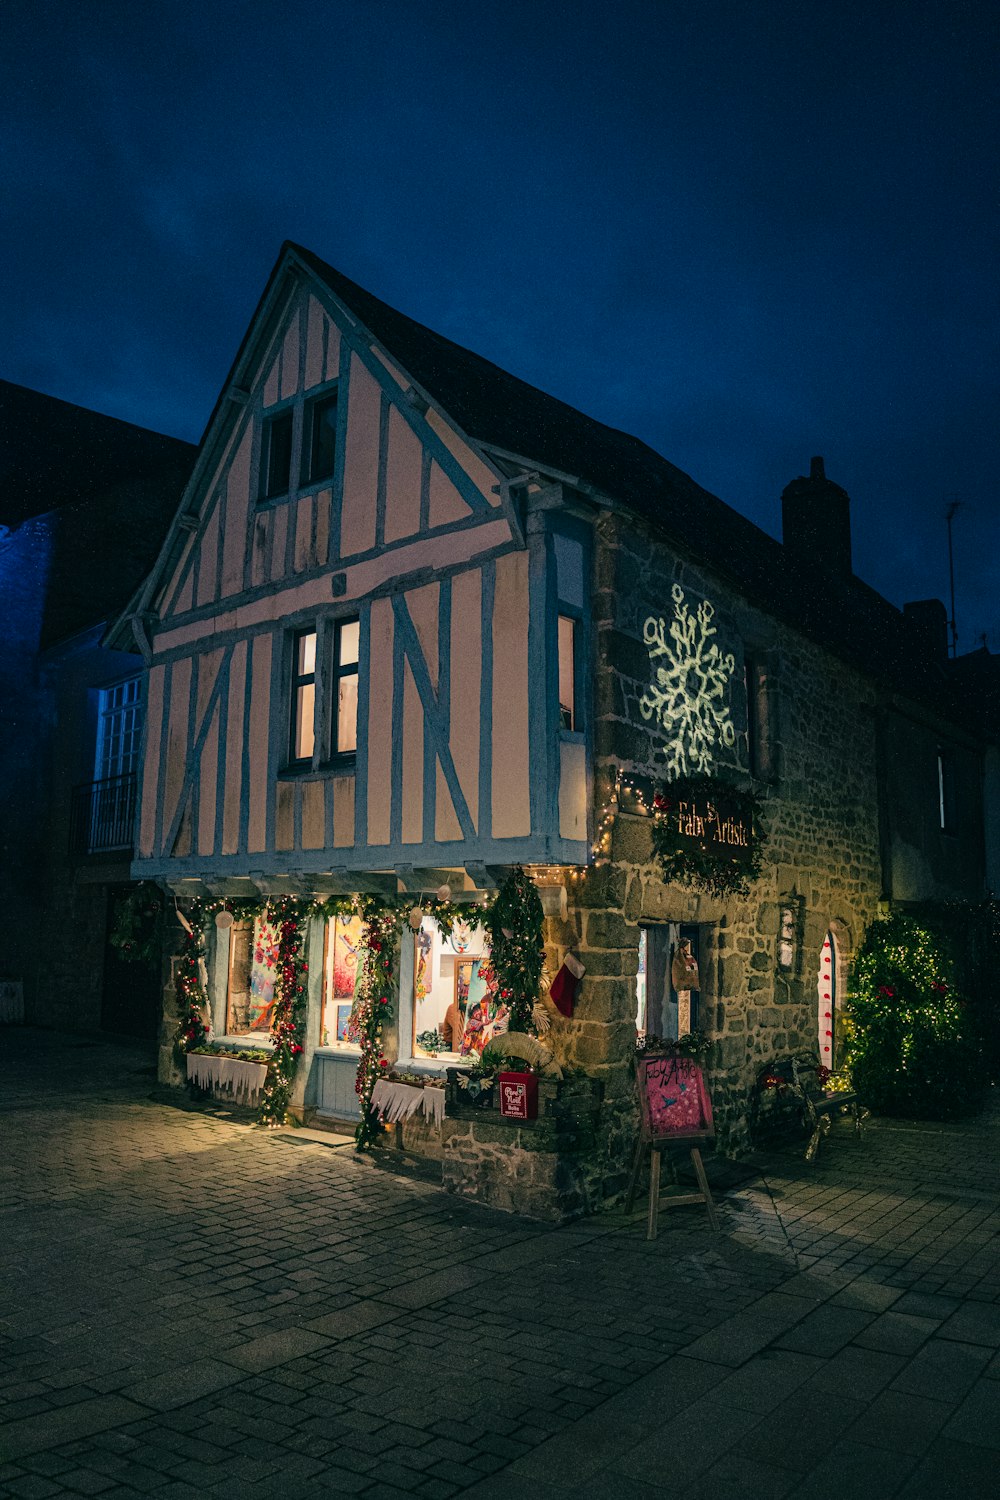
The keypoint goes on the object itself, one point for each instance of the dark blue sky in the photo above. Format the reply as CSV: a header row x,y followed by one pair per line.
x,y
745,230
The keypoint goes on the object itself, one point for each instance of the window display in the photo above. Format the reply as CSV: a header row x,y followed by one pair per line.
x,y
456,1006
338,1025
253,969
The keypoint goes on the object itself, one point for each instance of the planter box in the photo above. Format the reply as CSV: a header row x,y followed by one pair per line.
x,y
518,1096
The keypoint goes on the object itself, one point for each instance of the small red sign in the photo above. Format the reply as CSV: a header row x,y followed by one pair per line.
x,y
519,1096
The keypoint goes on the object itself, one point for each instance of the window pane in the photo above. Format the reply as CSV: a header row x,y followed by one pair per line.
x,y
567,693
307,655
304,738
340,1024
347,713
323,438
569,570
279,454
347,651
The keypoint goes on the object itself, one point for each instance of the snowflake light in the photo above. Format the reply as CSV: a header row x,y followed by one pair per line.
x,y
687,696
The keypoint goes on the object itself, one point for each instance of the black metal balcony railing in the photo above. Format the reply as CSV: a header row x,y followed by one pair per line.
x,y
102,815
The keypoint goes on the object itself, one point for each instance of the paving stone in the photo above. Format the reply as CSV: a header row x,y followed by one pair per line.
x,y
977,1419
975,1323
825,1330
53,1428
897,1333
953,1469
181,1386
902,1422
853,1471
275,1349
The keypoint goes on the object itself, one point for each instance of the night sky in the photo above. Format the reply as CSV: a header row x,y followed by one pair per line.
x,y
747,231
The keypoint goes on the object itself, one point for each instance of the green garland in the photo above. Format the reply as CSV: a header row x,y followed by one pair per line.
x,y
513,923
704,866
192,998
288,1013
374,1009
137,932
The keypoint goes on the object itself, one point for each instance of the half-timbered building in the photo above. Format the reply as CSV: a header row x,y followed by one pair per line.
x,y
416,622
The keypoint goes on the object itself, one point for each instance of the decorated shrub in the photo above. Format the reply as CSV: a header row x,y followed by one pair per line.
x,y
910,1047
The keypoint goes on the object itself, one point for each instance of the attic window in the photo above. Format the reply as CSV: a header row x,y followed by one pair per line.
x,y
276,455
319,439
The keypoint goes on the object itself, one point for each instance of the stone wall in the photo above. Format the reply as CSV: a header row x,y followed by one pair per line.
x,y
820,813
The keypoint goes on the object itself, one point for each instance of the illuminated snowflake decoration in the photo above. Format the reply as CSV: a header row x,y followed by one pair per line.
x,y
687,696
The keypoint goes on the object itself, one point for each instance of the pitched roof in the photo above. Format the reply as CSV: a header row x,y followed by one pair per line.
x,y
840,613
52,452
102,491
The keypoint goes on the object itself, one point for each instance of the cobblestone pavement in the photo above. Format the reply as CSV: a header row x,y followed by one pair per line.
x,y
190,1307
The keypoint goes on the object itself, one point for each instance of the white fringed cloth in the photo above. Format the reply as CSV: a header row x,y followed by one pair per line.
x,y
393,1102
238,1080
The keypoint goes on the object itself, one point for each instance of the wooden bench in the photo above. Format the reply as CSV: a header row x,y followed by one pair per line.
x,y
797,1078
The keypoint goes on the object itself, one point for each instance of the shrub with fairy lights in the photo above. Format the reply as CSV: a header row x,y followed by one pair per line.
x,y
911,1048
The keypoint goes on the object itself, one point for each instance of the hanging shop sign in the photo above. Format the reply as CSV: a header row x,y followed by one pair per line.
x,y
712,821
708,834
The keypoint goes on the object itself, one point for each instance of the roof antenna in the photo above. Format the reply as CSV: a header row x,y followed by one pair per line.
x,y
949,515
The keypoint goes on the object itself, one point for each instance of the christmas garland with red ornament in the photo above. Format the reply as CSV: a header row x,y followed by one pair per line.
x,y
374,1009
288,1013
192,997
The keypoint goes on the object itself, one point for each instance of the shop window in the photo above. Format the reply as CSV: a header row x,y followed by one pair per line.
x,y
319,439
253,969
276,456
345,687
338,1021
456,1007
302,728
667,981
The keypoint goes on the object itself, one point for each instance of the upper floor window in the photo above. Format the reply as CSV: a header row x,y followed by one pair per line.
x,y
323,698
303,725
276,456
319,438
567,672
119,730
292,458
570,592
760,742
345,686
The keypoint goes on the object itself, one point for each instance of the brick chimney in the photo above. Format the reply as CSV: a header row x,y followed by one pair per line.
x,y
816,520
928,620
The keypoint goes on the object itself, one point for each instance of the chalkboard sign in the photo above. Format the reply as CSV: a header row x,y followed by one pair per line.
x,y
674,1099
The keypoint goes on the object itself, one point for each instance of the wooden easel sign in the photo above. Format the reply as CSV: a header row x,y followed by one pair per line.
x,y
674,1107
